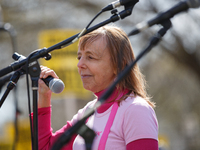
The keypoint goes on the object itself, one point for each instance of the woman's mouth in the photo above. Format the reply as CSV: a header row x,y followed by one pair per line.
x,y
85,76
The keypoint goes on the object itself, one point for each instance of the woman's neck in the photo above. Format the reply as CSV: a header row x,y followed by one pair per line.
x,y
114,96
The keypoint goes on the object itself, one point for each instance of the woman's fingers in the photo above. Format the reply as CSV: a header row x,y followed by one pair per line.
x,y
45,72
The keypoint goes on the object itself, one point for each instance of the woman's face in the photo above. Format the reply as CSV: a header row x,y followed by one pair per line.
x,y
95,66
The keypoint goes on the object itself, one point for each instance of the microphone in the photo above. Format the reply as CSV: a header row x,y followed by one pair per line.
x,y
117,3
55,85
181,6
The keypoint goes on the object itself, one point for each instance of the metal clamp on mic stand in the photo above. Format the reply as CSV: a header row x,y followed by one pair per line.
x,y
13,80
88,135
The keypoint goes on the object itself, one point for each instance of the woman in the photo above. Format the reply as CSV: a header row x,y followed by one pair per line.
x,y
126,121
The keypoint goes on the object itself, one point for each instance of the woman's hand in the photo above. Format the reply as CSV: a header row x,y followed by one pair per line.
x,y
44,92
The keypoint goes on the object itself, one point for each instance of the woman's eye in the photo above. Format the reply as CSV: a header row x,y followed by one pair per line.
x,y
78,57
90,57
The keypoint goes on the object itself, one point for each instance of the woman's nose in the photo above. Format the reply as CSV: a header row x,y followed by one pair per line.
x,y
81,63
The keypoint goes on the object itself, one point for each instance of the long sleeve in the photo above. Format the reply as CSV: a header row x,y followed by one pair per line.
x,y
45,136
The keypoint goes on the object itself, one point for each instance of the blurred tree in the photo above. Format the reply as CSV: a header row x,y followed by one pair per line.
x,y
174,76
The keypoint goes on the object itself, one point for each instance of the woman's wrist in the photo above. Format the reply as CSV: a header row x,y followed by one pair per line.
x,y
44,100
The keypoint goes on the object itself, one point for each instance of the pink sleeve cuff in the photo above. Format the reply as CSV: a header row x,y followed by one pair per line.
x,y
44,110
143,144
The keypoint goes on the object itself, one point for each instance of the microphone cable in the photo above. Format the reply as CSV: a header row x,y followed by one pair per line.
x,y
99,13
84,30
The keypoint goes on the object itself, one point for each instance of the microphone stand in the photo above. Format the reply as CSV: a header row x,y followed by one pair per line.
x,y
13,80
4,80
77,128
33,68
66,136
88,135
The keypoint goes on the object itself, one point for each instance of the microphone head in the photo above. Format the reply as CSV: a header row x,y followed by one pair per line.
x,y
56,85
193,3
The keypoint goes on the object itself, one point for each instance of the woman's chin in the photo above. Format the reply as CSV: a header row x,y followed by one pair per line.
x,y
93,90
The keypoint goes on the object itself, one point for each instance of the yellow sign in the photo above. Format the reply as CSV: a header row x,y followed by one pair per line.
x,y
63,61
23,137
